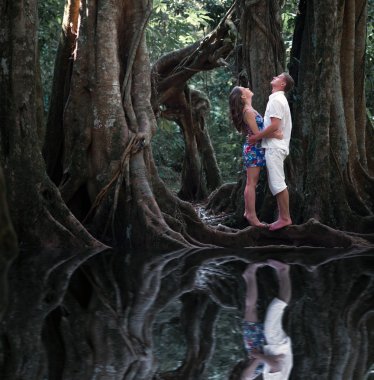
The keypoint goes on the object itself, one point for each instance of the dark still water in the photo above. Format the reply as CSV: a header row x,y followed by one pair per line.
x,y
210,314
329,318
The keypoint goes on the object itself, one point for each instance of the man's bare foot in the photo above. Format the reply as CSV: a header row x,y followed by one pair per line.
x,y
277,265
280,223
254,222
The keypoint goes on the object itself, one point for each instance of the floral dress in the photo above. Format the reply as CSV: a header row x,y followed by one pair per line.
x,y
254,339
254,154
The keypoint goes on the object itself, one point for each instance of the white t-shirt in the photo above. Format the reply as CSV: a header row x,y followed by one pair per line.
x,y
278,107
277,341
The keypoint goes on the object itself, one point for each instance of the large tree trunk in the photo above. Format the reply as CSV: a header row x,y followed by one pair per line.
x,y
263,54
107,124
39,215
8,245
329,172
38,279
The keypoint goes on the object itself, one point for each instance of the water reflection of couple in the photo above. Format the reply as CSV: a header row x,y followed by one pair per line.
x,y
267,345
267,144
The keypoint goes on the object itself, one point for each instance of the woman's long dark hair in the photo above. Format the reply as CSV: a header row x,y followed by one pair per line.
x,y
236,109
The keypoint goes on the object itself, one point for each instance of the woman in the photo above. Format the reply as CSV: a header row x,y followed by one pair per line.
x,y
249,122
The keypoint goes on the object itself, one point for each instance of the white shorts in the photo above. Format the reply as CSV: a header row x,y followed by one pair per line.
x,y
275,168
273,328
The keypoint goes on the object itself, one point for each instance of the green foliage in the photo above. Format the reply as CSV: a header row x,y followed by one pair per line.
x,y
289,12
216,10
175,24
226,141
168,152
50,18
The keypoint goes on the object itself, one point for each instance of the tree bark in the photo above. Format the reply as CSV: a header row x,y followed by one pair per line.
x,y
37,279
8,246
39,215
262,49
331,179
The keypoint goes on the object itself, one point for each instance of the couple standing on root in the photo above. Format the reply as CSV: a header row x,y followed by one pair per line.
x,y
269,349
267,144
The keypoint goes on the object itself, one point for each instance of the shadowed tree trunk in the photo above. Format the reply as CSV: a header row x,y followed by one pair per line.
x,y
107,123
8,245
37,279
330,176
262,49
39,215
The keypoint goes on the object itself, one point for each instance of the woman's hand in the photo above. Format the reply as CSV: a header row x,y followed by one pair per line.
x,y
251,139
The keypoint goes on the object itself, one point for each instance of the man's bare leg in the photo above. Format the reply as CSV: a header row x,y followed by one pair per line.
x,y
284,218
251,294
283,273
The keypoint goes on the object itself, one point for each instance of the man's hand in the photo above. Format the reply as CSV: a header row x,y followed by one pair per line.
x,y
273,361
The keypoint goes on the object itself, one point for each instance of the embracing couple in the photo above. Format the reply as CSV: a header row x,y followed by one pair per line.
x,y
267,144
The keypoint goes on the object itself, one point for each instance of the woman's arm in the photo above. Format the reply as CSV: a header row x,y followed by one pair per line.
x,y
250,119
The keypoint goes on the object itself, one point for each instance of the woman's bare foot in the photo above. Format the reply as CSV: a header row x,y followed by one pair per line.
x,y
254,222
280,223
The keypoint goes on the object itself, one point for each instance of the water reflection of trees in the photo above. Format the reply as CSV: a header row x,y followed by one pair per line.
x,y
329,317
177,315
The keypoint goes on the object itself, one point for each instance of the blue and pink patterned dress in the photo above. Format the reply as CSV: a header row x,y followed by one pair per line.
x,y
254,339
254,154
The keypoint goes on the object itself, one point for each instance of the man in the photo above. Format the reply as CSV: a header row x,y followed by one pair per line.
x,y
277,117
267,345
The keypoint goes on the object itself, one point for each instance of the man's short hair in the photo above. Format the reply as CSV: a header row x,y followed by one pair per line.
x,y
289,82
